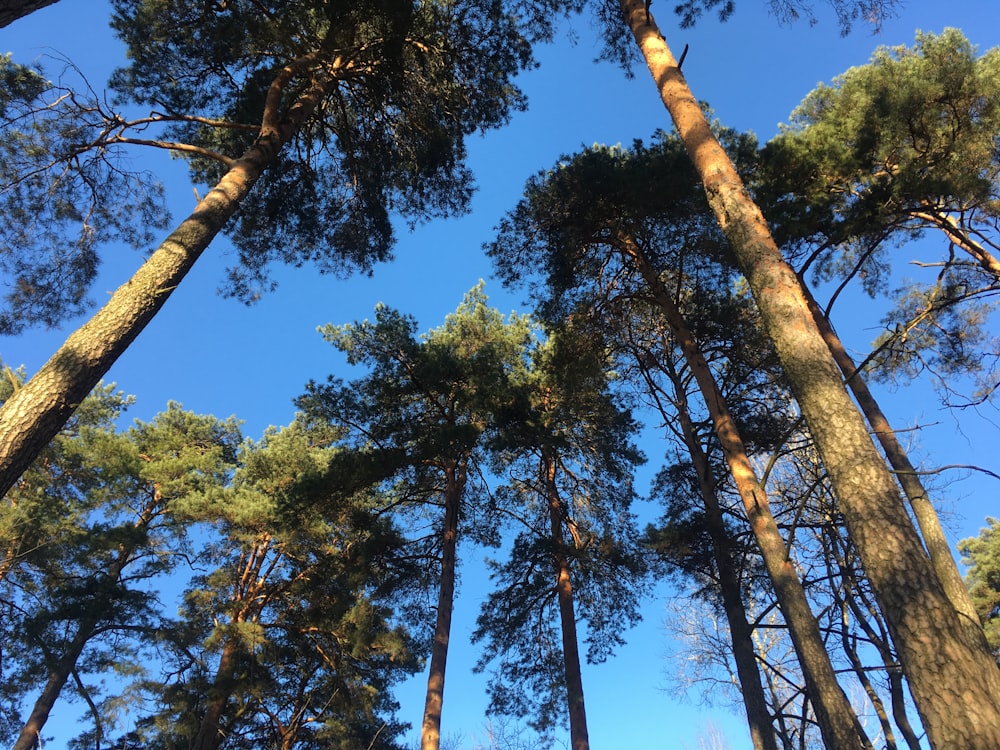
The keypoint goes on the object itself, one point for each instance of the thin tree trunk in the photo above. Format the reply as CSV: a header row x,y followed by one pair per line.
x,y
740,630
65,667
209,735
837,720
35,412
430,735
11,10
954,681
59,674
578,736
927,518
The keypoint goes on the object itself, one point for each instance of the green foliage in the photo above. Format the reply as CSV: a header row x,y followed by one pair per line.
x,y
982,555
290,628
403,84
564,414
427,401
365,106
891,149
87,529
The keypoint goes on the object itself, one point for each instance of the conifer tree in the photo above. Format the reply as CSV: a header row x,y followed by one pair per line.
x,y
418,419
566,455
946,665
305,120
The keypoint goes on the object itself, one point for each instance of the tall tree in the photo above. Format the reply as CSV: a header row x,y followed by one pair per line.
x,y
946,666
891,148
82,587
298,110
611,218
287,639
565,452
420,415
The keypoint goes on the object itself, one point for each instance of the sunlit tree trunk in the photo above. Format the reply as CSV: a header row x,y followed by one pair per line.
x,y
578,736
35,412
430,735
249,592
740,630
837,720
954,681
927,518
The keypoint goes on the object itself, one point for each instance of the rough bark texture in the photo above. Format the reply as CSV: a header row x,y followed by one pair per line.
x,y
740,630
837,721
927,518
14,9
430,734
33,415
210,735
954,682
578,736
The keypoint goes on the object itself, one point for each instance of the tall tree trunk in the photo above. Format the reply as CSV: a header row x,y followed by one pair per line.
x,y
430,734
35,412
209,735
837,721
740,630
58,674
954,681
927,518
11,10
578,736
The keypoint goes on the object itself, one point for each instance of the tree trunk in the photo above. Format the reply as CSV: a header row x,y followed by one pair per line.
x,y
430,735
837,720
209,735
11,10
578,736
740,630
30,736
927,518
35,412
954,681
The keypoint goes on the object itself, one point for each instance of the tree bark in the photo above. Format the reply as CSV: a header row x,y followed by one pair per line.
x,y
954,682
209,735
35,412
923,511
59,673
430,734
838,723
578,735
740,630
12,10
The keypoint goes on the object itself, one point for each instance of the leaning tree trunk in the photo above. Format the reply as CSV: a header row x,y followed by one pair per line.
x,y
923,511
954,681
58,674
35,412
430,734
837,721
740,630
11,10
578,735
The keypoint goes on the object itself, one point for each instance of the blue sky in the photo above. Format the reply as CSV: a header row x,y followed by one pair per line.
x,y
215,355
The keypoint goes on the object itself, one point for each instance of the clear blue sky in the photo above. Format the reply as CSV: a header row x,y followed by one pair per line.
x,y
214,355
